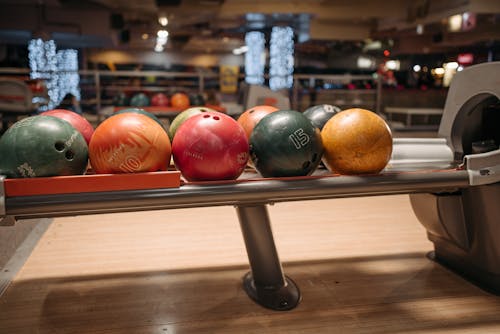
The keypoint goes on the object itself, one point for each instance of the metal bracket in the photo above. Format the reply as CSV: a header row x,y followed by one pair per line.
x,y
2,197
483,168
4,219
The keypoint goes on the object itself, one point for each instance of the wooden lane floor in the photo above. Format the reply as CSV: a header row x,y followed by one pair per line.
x,y
360,263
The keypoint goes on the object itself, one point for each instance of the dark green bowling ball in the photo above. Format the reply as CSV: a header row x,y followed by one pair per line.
x,y
42,146
139,100
285,143
320,114
121,99
196,100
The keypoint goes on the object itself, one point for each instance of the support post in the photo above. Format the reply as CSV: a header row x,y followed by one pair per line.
x,y
265,283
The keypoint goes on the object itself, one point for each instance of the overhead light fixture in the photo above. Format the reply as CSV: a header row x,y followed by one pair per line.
x,y
240,50
420,29
145,36
162,34
455,23
416,68
393,65
451,65
163,20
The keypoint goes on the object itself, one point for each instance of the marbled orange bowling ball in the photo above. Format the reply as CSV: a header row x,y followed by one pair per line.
x,y
252,116
129,143
356,141
180,101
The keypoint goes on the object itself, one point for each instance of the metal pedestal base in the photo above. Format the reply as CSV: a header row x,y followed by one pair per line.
x,y
281,298
265,283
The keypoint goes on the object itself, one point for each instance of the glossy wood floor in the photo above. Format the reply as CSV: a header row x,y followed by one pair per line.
x,y
360,264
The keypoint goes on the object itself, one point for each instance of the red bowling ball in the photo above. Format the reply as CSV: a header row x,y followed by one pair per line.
x,y
210,146
79,122
159,100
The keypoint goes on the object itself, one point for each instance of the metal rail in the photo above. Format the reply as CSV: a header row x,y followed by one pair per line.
x,y
244,192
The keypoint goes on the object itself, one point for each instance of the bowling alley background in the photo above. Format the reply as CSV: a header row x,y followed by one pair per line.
x,y
160,94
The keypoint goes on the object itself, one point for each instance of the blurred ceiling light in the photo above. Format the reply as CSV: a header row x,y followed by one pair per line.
x,y
158,48
451,65
365,62
163,21
455,23
145,36
438,71
162,33
392,65
420,29
372,45
240,50
416,68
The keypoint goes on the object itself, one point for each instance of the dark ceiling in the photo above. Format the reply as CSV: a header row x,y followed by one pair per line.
x,y
218,26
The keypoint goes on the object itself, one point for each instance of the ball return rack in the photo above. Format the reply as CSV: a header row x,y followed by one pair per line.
x,y
453,183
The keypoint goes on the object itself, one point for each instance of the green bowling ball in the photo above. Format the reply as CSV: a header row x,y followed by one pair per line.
x,y
285,143
121,99
320,114
42,146
196,100
183,116
143,112
139,100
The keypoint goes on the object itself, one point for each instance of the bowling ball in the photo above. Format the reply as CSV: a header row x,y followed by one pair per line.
x,y
285,143
159,100
121,99
356,141
129,143
196,100
183,116
78,121
320,114
139,100
210,146
140,111
252,116
179,101
42,146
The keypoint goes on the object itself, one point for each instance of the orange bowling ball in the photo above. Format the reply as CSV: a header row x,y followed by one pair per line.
x,y
356,141
129,143
180,101
252,116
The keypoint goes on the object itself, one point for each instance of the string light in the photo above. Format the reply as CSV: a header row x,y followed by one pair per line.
x,y
254,58
58,70
68,78
281,58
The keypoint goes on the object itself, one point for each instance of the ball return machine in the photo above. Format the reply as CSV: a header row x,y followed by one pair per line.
x,y
453,182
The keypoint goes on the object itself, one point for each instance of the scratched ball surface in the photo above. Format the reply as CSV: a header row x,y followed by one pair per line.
x,y
42,146
285,143
357,141
210,146
129,143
